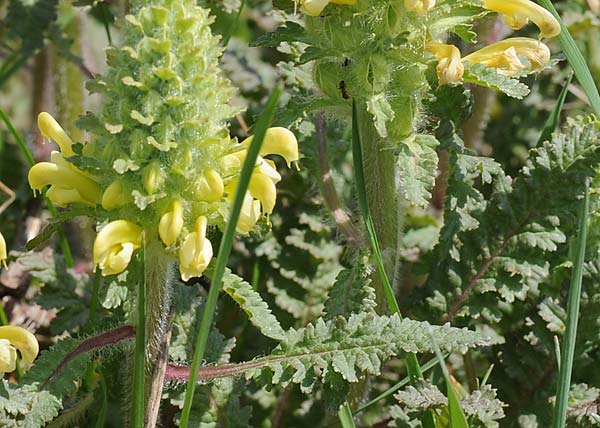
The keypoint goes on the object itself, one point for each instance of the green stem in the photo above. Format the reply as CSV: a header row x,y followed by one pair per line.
x,y
568,348
137,417
96,284
225,248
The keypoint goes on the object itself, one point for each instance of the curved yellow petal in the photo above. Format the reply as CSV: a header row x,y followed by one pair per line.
x,y
8,357
263,188
278,141
171,223
21,339
115,245
195,252
50,129
3,252
114,196
210,188
518,12
313,7
450,68
504,55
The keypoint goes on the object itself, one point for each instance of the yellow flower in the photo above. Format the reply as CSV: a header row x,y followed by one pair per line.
x,y
210,188
504,55
278,141
450,68
315,7
115,245
517,13
114,196
50,129
195,252
3,254
262,184
171,223
68,184
419,6
12,337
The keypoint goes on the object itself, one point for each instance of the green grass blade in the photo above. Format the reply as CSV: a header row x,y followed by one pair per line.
x,y
64,244
456,414
262,125
345,416
234,24
137,416
576,59
96,285
568,346
554,119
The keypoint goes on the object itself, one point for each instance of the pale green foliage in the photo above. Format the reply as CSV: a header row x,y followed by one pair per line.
x,y
490,78
499,249
584,406
417,168
341,350
26,406
252,304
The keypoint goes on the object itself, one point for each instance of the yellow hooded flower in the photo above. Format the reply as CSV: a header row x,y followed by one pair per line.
x,y
419,6
262,184
115,245
450,68
278,141
171,223
504,55
12,337
195,252
517,13
67,183
315,7
50,129
3,253
210,188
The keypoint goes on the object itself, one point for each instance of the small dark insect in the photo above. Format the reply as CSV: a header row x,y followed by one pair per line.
x,y
346,62
343,89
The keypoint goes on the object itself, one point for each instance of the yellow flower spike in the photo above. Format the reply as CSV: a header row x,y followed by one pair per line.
x,y
419,6
504,55
517,13
278,141
50,129
3,252
115,245
210,188
114,196
18,338
195,252
450,68
171,223
315,7
68,183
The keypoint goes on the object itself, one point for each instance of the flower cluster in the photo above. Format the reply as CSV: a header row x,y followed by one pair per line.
x,y
506,55
161,165
13,338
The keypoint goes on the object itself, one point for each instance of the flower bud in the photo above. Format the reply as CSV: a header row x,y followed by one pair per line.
x,y
50,129
504,55
171,223
450,69
249,214
152,177
278,141
114,196
419,6
3,253
517,13
115,245
210,187
12,337
68,183
195,252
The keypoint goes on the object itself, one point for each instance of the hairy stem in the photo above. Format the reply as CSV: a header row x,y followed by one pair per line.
x,y
379,166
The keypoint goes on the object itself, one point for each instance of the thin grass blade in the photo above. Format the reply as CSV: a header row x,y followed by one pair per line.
x,y
554,119
576,59
345,416
262,125
568,346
